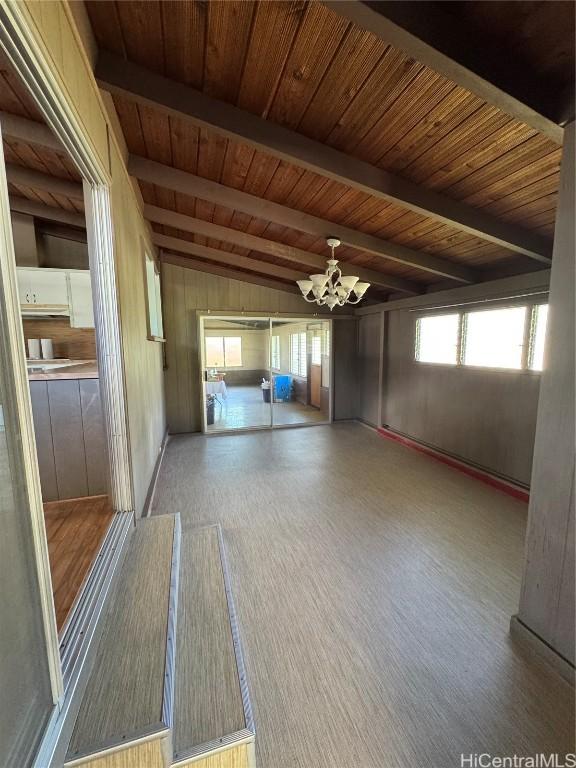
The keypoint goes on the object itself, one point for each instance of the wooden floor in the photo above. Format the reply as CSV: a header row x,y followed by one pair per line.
x,y
374,589
244,407
75,530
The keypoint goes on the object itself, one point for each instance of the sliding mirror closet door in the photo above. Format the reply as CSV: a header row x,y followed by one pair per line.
x,y
236,373
300,362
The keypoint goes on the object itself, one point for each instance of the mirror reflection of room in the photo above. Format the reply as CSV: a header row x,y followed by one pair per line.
x,y
236,364
259,373
300,366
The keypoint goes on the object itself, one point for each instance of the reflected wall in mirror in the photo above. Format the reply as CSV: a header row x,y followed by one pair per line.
x,y
300,354
236,362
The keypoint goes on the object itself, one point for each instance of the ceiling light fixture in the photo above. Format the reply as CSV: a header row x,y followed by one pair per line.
x,y
332,288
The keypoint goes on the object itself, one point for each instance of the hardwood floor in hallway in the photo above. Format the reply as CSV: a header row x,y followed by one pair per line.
x,y
75,528
374,587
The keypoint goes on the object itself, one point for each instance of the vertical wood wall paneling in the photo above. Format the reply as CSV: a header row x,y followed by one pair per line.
x,y
97,471
43,435
370,362
187,291
68,438
547,600
345,379
487,417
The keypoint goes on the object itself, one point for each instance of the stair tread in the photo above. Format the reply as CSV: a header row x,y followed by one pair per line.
x,y
125,693
210,697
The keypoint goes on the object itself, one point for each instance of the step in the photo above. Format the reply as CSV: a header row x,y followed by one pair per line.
x,y
212,709
129,695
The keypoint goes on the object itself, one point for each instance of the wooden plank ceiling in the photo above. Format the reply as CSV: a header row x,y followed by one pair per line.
x,y
305,67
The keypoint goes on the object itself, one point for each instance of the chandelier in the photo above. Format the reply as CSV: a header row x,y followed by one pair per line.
x,y
332,288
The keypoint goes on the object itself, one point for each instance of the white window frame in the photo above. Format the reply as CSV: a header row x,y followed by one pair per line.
x,y
275,352
298,362
223,341
528,344
152,283
457,353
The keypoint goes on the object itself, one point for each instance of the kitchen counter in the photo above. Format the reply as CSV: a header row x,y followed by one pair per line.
x,y
81,369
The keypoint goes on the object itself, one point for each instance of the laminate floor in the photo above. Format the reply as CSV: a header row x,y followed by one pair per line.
x,y
244,407
75,529
374,588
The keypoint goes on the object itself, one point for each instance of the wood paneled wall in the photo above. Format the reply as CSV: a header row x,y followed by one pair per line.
x,y
185,291
487,417
54,28
547,601
74,343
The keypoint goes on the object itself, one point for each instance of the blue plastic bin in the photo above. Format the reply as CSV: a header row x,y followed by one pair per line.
x,y
283,388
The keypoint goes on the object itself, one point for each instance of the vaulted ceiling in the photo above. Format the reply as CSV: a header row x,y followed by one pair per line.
x,y
257,129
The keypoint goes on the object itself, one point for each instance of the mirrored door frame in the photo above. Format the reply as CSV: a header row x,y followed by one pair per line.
x,y
203,316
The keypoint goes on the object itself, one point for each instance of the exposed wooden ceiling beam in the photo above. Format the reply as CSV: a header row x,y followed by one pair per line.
x,y
222,271
27,177
188,184
143,86
46,212
29,132
62,231
433,37
225,257
287,252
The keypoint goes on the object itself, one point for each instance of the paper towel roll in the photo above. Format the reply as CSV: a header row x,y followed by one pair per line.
x,y
47,349
34,349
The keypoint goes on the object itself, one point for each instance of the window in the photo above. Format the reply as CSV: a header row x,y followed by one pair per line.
x,y
538,336
223,352
494,338
214,352
298,354
437,339
275,353
153,300
316,350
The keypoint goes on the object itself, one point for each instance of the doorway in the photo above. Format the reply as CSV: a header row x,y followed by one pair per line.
x,y
53,179
261,372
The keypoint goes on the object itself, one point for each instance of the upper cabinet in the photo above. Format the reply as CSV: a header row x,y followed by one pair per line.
x,y
81,308
43,288
57,292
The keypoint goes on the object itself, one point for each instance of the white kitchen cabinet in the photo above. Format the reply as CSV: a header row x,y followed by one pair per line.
x,y
42,287
81,308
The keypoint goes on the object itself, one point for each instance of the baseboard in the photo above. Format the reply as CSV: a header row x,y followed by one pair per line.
x,y
153,480
521,632
500,484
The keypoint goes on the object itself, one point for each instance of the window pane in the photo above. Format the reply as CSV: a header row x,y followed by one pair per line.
x,y
316,350
233,351
214,352
294,348
495,338
541,321
302,355
275,352
437,339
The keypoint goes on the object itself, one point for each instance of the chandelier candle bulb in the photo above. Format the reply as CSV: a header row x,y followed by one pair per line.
x,y
332,288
